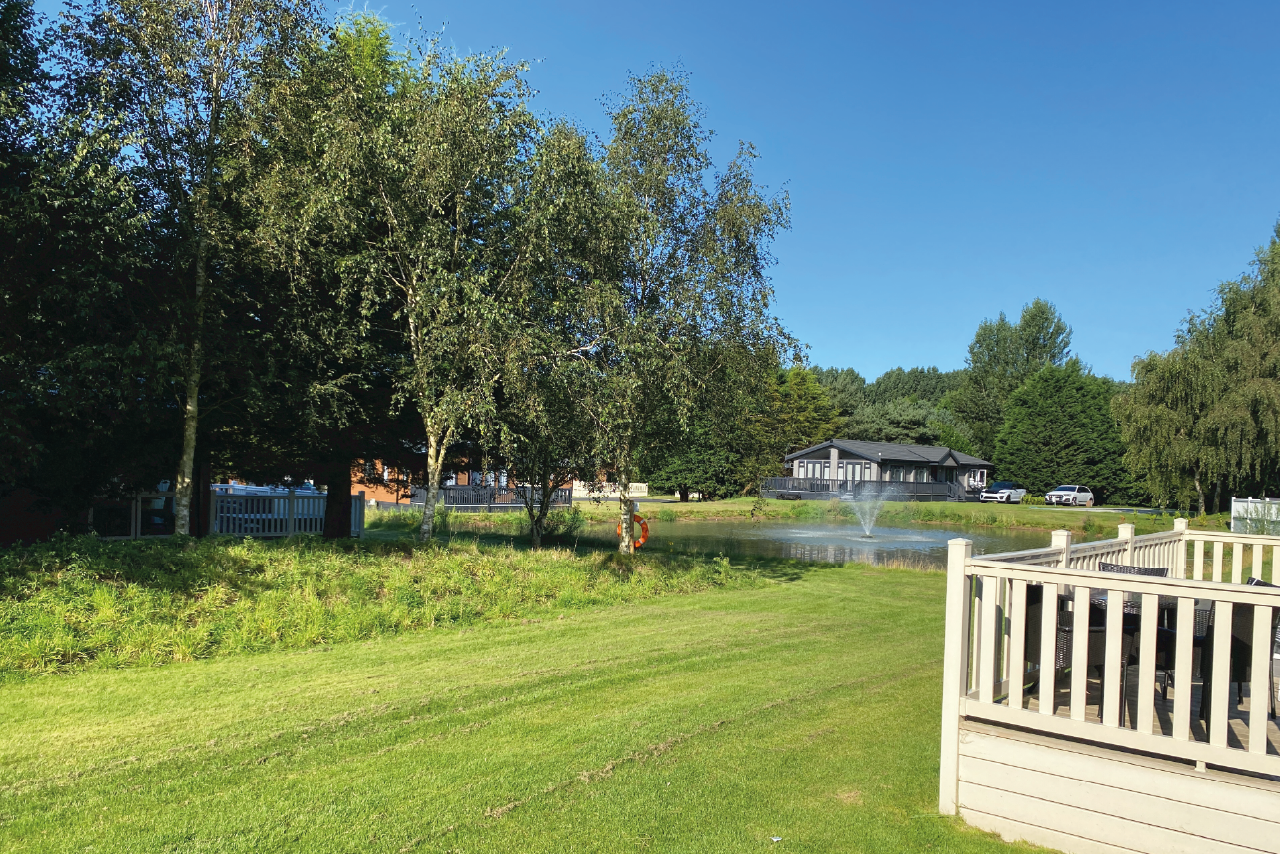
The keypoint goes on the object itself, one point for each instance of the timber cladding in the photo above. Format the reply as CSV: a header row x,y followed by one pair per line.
x,y
1083,799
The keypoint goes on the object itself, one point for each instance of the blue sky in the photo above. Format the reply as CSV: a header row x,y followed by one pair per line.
x,y
950,161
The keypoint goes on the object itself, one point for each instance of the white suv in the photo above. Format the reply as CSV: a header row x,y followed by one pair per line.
x,y
1071,496
1004,491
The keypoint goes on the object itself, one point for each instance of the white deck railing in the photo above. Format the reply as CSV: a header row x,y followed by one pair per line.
x,y
998,646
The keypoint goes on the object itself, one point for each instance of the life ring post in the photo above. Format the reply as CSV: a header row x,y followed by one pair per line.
x,y
644,529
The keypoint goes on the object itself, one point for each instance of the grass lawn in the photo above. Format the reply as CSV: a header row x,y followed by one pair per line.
x,y
805,709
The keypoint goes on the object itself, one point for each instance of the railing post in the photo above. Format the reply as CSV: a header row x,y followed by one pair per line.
x,y
955,675
1126,533
1062,540
1180,556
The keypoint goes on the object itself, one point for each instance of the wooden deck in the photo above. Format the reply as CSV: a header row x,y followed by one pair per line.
x,y
1238,715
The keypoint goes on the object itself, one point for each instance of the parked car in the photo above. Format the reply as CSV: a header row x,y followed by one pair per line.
x,y
1070,496
1004,491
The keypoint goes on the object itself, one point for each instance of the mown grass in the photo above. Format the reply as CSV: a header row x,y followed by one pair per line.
x,y
79,603
806,711
1093,523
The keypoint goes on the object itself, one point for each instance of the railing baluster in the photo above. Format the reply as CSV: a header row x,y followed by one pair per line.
x,y
988,647
1111,665
1079,653
1221,674
1256,572
1017,672
1183,669
1048,647
1260,679
1217,561
1147,663
1237,562
1198,559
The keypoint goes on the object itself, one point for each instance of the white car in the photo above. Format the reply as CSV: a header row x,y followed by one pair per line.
x,y
1070,496
1004,491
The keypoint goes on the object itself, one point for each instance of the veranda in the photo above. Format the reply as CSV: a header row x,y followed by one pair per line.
x,y
1117,695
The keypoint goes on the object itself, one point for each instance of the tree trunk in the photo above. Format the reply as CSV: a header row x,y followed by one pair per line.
x,y
1217,496
337,503
1199,489
684,493
627,543
183,484
437,443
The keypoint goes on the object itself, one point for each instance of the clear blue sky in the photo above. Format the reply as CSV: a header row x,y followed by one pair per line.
x,y
950,161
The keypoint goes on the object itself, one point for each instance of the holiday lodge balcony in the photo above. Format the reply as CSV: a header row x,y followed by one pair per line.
x,y
1117,695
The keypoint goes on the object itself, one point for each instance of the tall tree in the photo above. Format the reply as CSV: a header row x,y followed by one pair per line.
x,y
1207,413
170,71
694,275
1059,429
1001,358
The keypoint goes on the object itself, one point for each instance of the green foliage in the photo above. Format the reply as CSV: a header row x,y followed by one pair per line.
x,y
1059,429
1033,500
1206,414
1002,357
81,603
803,415
922,384
846,388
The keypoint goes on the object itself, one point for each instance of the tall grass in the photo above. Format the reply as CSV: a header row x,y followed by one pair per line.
x,y
83,603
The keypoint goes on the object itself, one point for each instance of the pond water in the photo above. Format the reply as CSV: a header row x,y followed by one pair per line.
x,y
826,542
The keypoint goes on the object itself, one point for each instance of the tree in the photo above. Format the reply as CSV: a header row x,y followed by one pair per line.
x,y
169,72
566,227
846,388
1163,427
693,275
929,385
1207,413
84,363
1001,358
1059,429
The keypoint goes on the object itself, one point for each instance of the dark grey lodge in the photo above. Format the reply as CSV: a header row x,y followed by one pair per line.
x,y
845,468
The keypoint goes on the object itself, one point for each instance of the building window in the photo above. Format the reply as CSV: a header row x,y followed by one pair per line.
x,y
922,474
897,474
826,470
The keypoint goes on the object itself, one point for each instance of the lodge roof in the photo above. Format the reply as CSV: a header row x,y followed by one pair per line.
x,y
896,452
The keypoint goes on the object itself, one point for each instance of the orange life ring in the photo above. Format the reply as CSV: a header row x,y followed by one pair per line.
x,y
644,530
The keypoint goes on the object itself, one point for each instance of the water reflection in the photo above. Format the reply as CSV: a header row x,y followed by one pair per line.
x,y
821,542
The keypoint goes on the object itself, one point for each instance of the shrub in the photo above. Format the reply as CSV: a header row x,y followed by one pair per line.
x,y
666,514
1033,500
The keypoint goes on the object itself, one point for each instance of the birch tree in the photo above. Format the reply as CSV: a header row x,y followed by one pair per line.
x,y
693,278
170,71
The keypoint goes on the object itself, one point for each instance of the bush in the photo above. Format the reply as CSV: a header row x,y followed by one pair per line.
x,y
1033,500
565,523
666,514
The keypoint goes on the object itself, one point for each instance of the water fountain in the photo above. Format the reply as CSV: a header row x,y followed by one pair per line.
x,y
867,502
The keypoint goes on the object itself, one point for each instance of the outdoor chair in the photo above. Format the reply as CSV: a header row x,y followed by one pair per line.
x,y
1097,634
1241,658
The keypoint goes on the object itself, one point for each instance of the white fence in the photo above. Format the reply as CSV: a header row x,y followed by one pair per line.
x,y
234,510
1255,516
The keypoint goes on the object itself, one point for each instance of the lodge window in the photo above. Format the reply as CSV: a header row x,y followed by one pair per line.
x,y
897,473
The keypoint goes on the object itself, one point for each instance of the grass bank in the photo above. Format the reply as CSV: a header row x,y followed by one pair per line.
x,y
79,603
805,711
1091,522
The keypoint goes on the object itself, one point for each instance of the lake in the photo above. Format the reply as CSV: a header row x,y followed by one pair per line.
x,y
826,542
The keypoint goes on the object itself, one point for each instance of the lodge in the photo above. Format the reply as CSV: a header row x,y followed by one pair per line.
x,y
842,468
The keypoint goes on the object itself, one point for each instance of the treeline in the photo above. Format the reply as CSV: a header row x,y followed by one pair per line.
x,y
1201,422
241,238
1023,402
